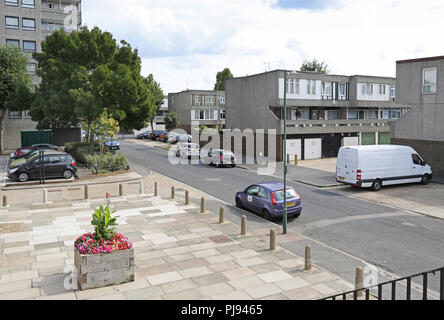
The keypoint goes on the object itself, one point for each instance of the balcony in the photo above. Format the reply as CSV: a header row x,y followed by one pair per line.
x,y
336,126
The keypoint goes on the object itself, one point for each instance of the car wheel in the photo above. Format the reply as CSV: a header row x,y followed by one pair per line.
x,y
239,203
178,153
425,179
377,185
23,177
266,214
67,174
233,166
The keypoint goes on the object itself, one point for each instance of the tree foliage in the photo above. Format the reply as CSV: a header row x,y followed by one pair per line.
x,y
220,79
156,97
171,120
105,127
315,66
15,84
83,73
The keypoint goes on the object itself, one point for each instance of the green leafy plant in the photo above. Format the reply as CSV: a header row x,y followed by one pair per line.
x,y
104,223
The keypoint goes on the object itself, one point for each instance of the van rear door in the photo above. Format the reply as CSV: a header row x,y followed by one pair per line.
x,y
346,165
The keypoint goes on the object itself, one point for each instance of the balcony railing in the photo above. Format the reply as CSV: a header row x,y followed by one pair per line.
x,y
335,123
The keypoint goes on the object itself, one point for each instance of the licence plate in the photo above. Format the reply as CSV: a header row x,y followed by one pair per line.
x,y
341,178
290,204
229,162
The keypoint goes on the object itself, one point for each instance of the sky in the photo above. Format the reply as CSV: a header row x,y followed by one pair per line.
x,y
184,43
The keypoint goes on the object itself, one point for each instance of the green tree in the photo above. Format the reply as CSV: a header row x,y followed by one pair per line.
x,y
315,66
220,79
171,120
83,73
105,127
156,95
15,84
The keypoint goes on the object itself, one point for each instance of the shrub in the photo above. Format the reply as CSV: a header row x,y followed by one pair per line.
x,y
108,161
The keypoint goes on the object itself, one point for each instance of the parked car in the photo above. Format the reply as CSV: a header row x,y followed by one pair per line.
x,y
143,135
267,199
173,137
47,146
32,154
220,157
56,164
380,165
163,137
160,136
188,150
20,153
112,144
154,134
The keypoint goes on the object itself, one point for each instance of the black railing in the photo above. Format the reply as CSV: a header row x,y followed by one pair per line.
x,y
377,291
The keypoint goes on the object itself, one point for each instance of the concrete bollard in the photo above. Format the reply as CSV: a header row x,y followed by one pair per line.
x,y
202,205
120,190
222,215
141,187
307,257
187,197
5,201
156,193
359,281
272,239
244,225
86,192
295,159
173,192
45,196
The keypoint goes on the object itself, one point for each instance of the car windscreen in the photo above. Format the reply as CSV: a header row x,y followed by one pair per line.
x,y
279,195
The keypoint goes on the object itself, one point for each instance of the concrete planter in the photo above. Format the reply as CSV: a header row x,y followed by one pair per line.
x,y
101,270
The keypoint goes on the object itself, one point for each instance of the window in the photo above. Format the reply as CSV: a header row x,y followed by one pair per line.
x,y
308,86
382,89
361,114
14,115
252,191
416,159
341,90
32,67
326,88
28,4
303,114
29,46
11,2
13,43
373,114
196,99
352,114
221,100
370,89
28,24
222,114
207,114
392,92
12,22
429,80
54,159
363,89
313,87
395,114
334,114
262,194
291,86
297,86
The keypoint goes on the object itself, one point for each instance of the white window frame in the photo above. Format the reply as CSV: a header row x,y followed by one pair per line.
x,y
221,100
393,92
30,6
432,85
28,28
297,88
11,3
15,41
291,86
15,27
313,87
308,87
341,84
28,41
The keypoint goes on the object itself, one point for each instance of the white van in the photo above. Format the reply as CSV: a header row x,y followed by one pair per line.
x,y
378,165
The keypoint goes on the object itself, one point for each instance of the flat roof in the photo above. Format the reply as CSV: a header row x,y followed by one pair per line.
x,y
420,59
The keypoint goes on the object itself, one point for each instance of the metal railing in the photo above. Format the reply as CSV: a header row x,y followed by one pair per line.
x,y
378,289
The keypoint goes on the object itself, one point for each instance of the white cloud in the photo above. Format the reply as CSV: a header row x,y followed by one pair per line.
x,y
190,41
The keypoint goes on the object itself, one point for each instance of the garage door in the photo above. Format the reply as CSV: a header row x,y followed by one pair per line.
x,y
294,147
384,138
312,149
350,141
368,138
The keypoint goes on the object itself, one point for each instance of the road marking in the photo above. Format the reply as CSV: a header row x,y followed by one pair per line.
x,y
328,222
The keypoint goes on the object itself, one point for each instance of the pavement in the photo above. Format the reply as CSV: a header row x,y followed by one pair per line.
x,y
179,253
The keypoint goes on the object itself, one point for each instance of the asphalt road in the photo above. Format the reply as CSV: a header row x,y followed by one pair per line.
x,y
396,241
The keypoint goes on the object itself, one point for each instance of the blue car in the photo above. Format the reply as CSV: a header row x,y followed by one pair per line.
x,y
112,144
267,199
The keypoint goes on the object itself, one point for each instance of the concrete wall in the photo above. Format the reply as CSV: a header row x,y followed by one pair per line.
x,y
12,131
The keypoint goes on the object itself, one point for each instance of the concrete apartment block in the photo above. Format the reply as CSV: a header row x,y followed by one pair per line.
x,y
198,107
324,111
25,24
420,84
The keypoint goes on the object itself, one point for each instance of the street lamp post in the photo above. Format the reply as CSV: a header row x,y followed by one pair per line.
x,y
284,218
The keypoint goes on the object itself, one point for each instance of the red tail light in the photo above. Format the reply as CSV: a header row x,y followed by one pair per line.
x,y
221,157
273,199
358,175
73,163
